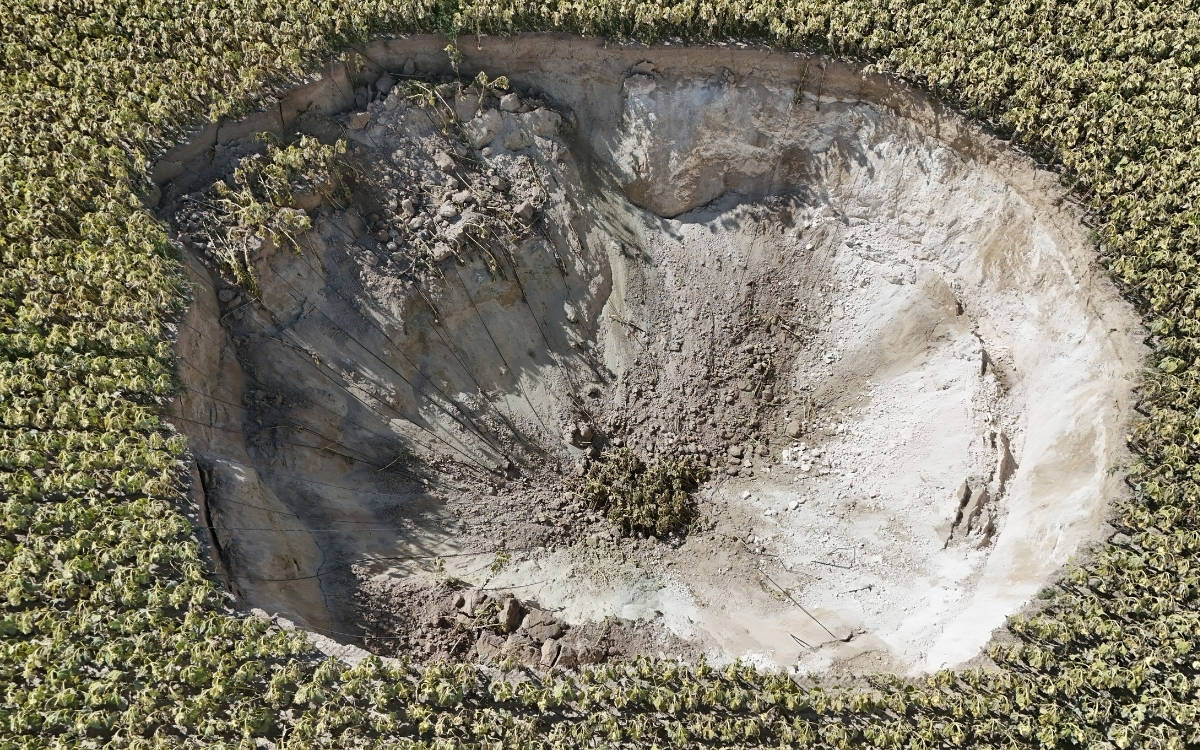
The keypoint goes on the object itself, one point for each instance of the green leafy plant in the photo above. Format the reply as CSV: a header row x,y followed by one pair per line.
x,y
498,563
652,499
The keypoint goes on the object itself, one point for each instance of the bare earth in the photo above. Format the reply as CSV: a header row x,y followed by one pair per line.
x,y
884,332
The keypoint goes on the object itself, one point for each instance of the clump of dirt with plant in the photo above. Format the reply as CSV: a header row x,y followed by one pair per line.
x,y
638,498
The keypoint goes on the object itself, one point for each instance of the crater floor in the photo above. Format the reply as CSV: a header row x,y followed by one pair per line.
x,y
884,333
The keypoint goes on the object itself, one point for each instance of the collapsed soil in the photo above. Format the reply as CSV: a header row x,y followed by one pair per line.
x,y
888,345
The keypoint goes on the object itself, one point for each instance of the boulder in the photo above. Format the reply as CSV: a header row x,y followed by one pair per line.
x,y
522,649
524,211
550,651
568,657
444,161
511,613
540,626
489,647
483,129
466,105
543,122
473,601
384,84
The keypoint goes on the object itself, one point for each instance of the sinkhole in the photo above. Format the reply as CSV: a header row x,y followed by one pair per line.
x,y
880,335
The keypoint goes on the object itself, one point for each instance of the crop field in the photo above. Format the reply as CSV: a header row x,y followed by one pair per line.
x,y
613,374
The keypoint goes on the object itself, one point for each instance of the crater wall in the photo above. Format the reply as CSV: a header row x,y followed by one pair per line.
x,y
883,332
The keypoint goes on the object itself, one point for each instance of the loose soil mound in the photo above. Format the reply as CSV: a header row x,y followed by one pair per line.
x,y
881,332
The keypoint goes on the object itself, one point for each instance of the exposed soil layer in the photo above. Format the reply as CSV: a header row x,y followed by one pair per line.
x,y
883,332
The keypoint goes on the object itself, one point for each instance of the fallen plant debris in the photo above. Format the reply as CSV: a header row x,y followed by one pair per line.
x,y
643,498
